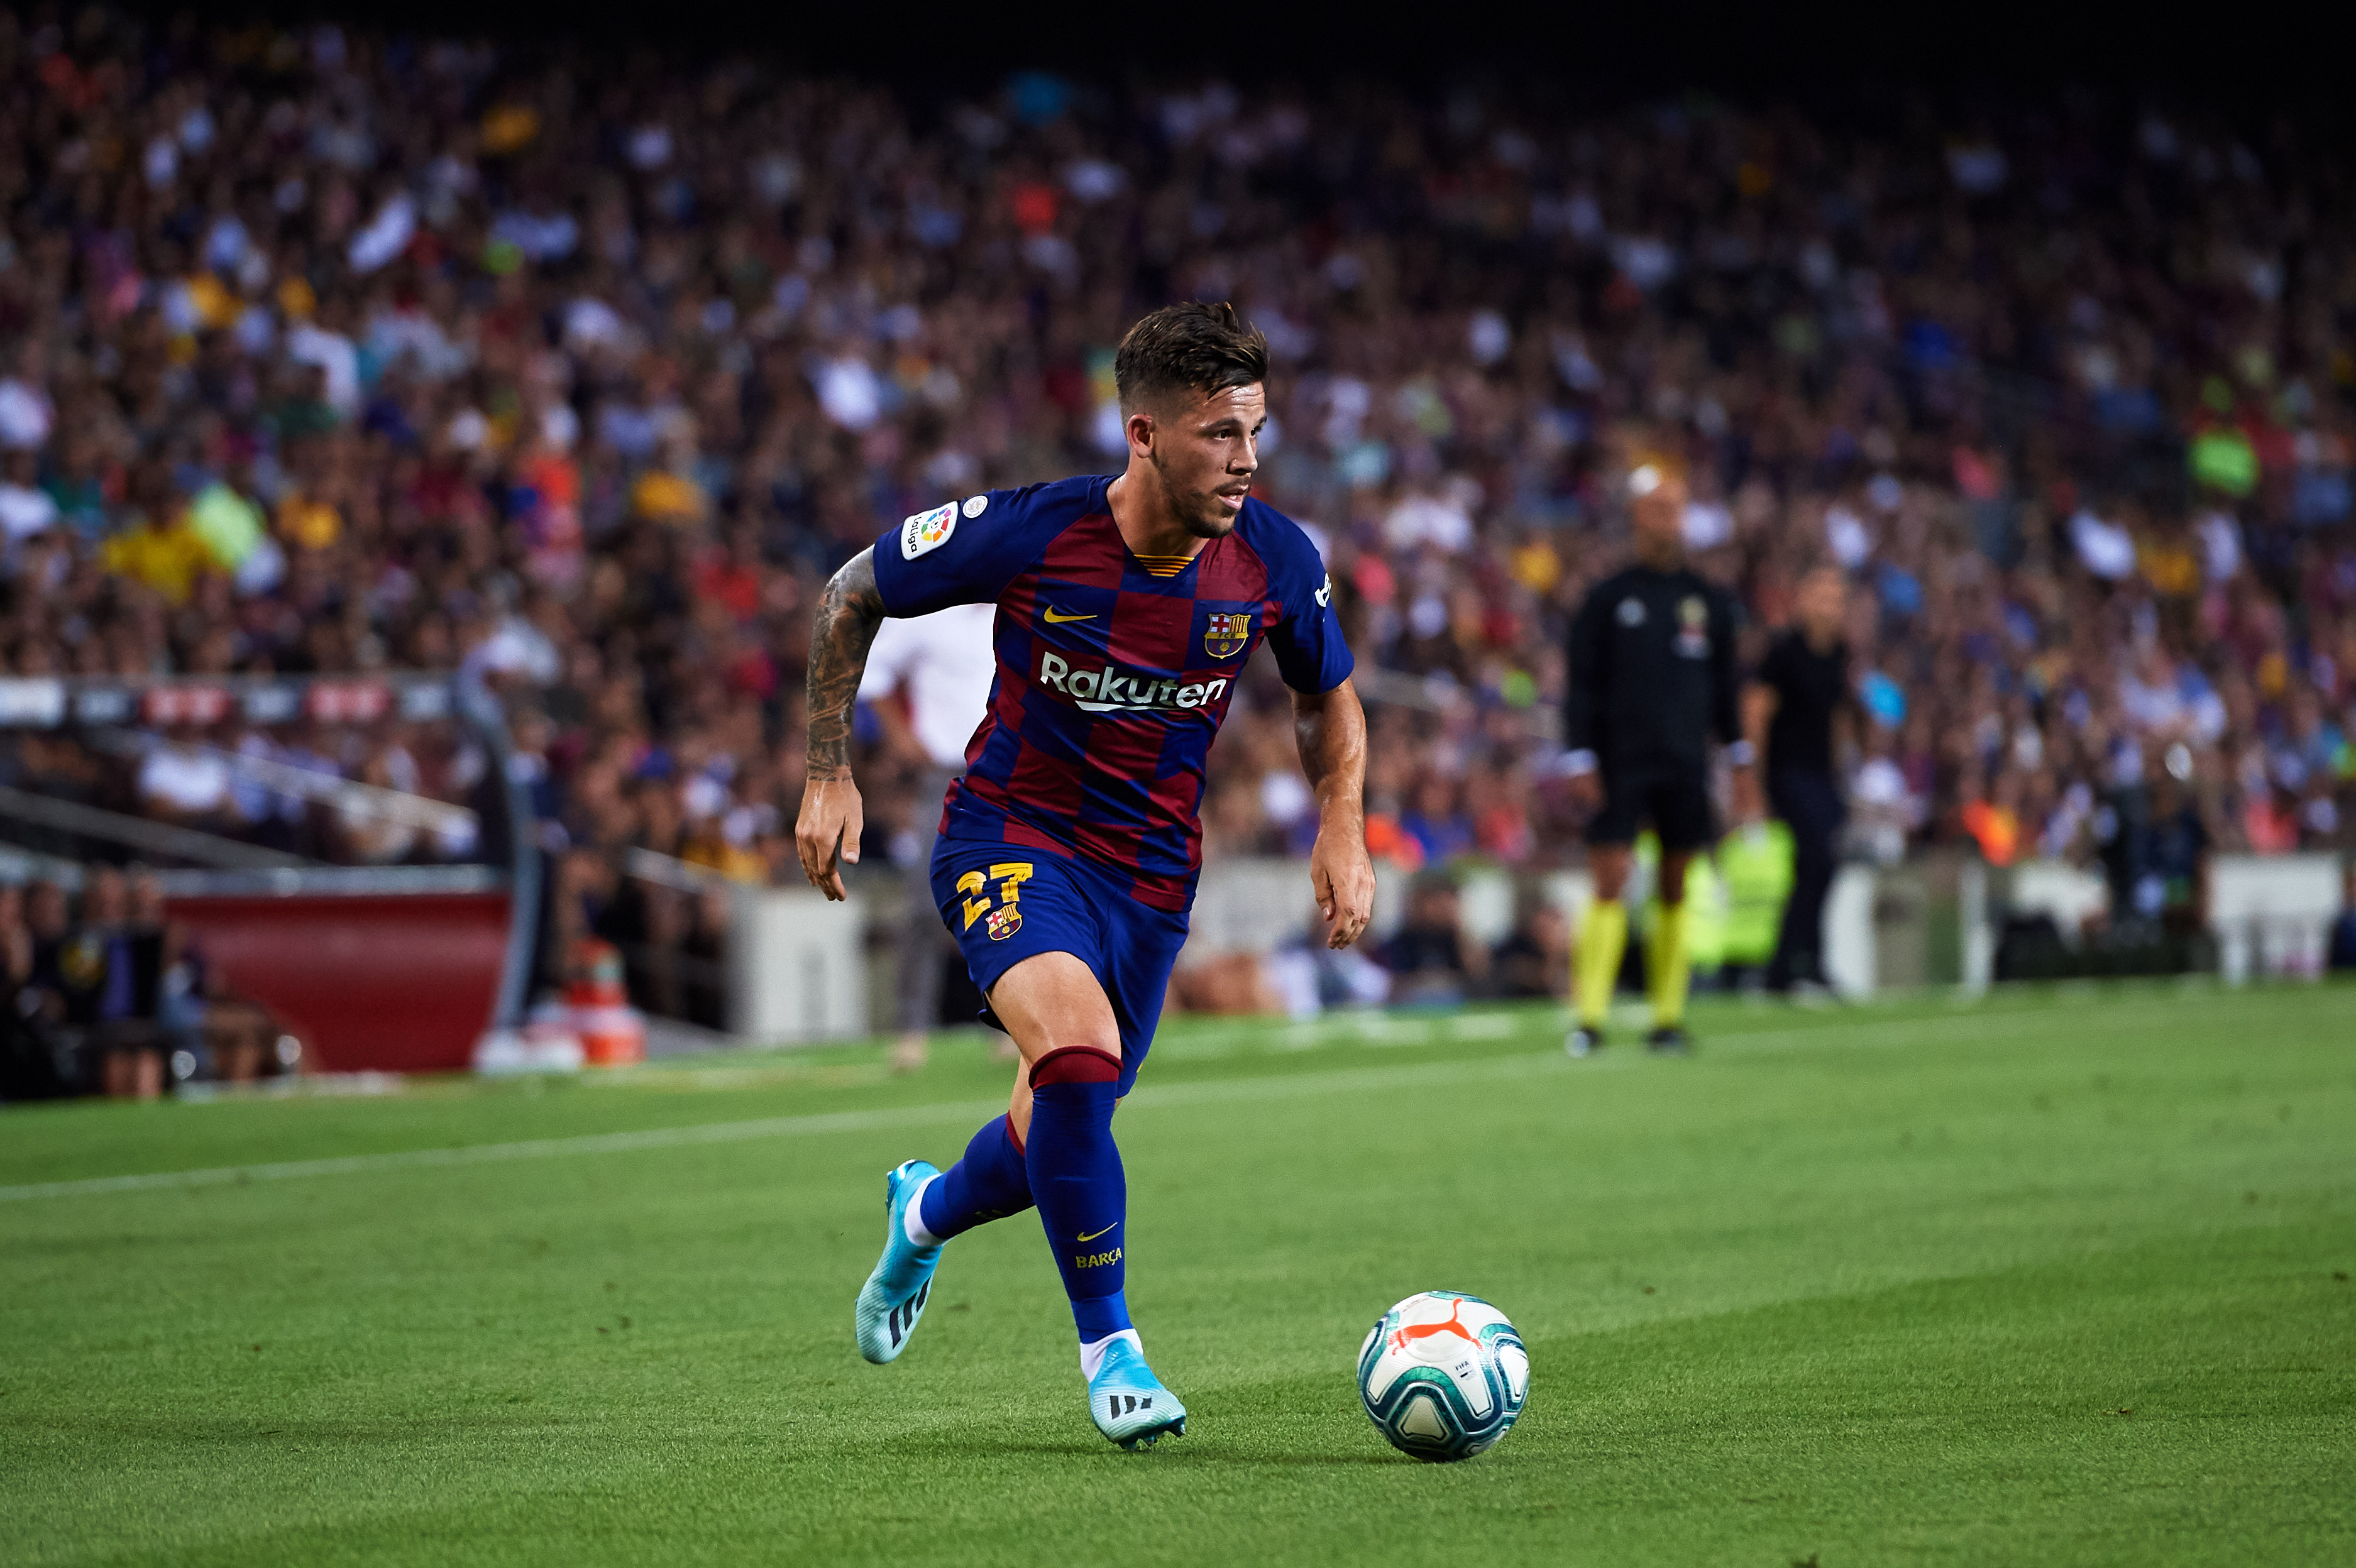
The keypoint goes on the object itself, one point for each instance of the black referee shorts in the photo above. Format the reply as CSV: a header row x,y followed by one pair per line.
x,y
1675,801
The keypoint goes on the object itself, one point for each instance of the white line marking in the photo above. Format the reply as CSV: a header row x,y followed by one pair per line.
x,y
1289,1086
531,1149
1897,1032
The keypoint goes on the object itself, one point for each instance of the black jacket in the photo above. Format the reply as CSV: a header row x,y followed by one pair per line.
x,y
1651,671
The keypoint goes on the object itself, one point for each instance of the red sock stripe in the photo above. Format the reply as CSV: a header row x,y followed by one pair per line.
x,y
1014,1134
1076,1065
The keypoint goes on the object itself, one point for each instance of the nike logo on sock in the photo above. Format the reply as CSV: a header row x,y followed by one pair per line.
x,y
1106,1228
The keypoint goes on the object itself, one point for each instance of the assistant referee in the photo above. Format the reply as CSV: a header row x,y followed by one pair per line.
x,y
1652,683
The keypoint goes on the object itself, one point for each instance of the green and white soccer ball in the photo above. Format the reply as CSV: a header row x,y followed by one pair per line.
x,y
1443,1375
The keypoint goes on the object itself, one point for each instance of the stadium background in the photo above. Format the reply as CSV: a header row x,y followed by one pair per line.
x,y
338,354
423,430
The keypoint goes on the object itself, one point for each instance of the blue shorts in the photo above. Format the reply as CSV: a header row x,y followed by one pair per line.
x,y
1005,903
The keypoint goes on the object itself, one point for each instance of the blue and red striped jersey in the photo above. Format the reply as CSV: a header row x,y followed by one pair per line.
x,y
1114,672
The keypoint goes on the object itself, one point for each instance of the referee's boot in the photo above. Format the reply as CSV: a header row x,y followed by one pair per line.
x,y
1669,1040
1584,1040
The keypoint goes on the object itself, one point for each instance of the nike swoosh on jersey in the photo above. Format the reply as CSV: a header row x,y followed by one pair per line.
x,y
1056,618
1106,1228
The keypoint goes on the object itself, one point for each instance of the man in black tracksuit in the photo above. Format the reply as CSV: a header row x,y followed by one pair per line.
x,y
1652,683
1801,692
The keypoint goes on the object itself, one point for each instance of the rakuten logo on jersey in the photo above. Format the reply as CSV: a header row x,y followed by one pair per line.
x,y
1109,690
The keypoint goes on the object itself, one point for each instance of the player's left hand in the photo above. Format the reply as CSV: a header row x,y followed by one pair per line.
x,y
1344,878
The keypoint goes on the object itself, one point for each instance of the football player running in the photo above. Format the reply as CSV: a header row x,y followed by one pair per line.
x,y
1069,851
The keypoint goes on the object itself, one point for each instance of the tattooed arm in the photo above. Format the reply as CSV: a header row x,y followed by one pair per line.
x,y
831,818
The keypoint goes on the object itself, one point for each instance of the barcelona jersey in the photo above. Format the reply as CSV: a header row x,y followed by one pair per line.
x,y
1114,671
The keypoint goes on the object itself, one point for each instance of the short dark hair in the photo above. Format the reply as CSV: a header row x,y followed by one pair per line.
x,y
1189,347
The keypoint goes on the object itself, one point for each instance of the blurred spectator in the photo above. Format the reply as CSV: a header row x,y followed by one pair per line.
x,y
48,915
26,509
1223,984
1309,978
29,1069
372,833
2171,884
155,545
184,783
1438,826
1535,958
106,973
98,1004
1431,960
926,685
1803,687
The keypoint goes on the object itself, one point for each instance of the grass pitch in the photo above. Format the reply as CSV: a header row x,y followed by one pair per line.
x,y
2057,1278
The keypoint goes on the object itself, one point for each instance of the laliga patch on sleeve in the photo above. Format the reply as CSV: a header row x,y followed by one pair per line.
x,y
928,530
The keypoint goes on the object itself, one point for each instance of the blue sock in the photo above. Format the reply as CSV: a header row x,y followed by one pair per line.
x,y
1082,1195
989,1183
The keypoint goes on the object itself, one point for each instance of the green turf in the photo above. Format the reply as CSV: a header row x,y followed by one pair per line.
x,y
2059,1278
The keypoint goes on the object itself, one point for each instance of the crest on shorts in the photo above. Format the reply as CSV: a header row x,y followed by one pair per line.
x,y
1003,922
1228,633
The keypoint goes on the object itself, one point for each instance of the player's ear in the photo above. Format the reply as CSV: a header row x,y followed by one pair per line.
x,y
1139,425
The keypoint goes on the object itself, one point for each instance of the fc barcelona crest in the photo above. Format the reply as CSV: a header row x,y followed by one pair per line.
x,y
1003,922
1227,634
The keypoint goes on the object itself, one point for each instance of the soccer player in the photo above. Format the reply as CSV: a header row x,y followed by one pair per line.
x,y
1069,852
1652,679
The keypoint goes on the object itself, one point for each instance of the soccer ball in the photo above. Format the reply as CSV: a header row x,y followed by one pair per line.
x,y
1443,1375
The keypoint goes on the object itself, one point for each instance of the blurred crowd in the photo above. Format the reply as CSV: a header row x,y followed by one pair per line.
x,y
325,351
389,793
105,994
1429,960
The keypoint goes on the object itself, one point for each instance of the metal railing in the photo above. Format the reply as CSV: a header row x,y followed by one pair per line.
x,y
140,832
112,710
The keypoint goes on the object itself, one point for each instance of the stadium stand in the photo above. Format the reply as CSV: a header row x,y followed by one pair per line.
x,y
327,354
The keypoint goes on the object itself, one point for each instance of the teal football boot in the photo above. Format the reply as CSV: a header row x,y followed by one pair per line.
x,y
1127,1401
894,1297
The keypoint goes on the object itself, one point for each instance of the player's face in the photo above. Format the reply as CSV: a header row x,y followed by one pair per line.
x,y
1207,451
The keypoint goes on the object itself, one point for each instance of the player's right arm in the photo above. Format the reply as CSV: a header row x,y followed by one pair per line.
x,y
958,553
831,819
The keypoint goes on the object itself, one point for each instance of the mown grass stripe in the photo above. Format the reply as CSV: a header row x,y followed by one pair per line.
x,y
1218,1091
